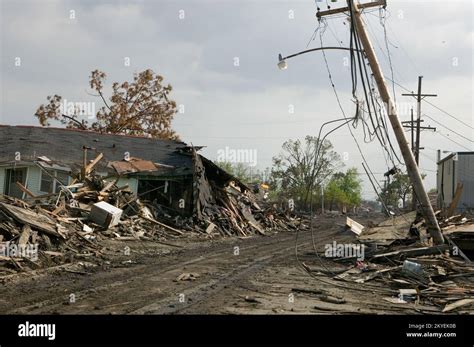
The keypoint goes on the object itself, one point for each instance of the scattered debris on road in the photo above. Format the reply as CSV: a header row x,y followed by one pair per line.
x,y
400,255
72,222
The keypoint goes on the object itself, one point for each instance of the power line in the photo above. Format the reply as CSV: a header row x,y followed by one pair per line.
x,y
430,103
416,69
336,94
383,19
453,141
369,97
451,130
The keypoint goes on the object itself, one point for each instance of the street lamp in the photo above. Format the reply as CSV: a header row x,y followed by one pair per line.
x,y
283,65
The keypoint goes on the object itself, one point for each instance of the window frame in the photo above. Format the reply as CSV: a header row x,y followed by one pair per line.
x,y
55,183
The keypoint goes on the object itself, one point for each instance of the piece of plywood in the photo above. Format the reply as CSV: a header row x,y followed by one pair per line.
x,y
32,218
389,230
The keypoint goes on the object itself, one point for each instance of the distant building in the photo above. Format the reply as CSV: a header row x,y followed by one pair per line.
x,y
458,167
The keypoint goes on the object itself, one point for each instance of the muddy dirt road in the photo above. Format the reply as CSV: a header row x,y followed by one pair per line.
x,y
240,276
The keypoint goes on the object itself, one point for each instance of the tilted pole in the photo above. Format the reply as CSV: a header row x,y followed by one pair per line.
x,y
412,168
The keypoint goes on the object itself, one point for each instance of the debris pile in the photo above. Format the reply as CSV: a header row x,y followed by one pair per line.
x,y
400,254
228,207
232,211
72,223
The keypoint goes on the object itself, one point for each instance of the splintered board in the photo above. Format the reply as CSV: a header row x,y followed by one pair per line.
x,y
33,219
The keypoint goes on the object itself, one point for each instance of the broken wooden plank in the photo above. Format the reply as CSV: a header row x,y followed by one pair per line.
x,y
25,235
7,258
33,219
414,252
454,203
251,219
355,227
457,304
58,209
210,228
90,166
154,221
110,185
25,190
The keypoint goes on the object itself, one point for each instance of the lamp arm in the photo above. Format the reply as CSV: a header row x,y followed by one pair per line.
x,y
319,49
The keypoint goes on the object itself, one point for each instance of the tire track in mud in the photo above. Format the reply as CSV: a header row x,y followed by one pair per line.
x,y
149,287
205,291
52,297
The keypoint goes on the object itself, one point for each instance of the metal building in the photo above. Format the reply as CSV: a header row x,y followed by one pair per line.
x,y
456,168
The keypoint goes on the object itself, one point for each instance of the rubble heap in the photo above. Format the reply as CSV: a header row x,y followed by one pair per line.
x,y
72,223
400,254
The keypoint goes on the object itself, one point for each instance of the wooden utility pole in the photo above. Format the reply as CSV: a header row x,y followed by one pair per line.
x,y
418,96
414,126
412,168
415,146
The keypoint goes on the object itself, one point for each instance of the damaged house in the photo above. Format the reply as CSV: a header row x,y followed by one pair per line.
x,y
36,161
163,181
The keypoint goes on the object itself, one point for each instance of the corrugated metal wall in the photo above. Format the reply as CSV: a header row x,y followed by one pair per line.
x,y
450,172
465,175
445,181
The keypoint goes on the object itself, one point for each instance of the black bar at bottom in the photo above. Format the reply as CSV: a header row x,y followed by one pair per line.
x,y
209,329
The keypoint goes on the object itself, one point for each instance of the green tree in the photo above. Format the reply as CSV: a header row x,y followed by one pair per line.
x,y
344,189
140,107
399,189
302,167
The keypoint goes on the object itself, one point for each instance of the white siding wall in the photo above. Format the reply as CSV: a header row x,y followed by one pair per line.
x,y
32,177
33,183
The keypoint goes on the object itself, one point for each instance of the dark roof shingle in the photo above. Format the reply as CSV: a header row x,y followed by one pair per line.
x,y
65,146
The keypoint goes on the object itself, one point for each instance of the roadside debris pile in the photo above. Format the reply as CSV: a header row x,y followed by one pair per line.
x,y
72,223
399,253
230,208
233,212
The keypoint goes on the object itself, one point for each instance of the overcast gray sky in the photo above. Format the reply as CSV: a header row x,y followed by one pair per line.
x,y
220,57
